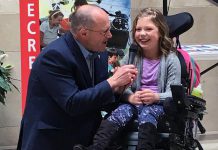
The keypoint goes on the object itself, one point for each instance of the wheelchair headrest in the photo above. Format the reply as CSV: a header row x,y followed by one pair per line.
x,y
179,23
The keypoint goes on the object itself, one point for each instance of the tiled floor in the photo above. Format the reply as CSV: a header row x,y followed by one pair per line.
x,y
210,145
207,145
209,141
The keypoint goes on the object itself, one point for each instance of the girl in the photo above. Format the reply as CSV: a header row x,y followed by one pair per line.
x,y
49,28
158,68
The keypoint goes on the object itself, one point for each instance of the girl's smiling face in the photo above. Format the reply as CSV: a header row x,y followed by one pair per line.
x,y
147,35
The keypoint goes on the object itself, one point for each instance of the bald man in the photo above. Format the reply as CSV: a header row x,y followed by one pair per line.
x,y
69,85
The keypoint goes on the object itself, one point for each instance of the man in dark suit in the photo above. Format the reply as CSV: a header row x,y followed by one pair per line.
x,y
69,85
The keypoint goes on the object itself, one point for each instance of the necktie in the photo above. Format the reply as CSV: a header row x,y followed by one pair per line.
x,y
92,68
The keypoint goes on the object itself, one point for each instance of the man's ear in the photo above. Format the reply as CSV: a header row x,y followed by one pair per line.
x,y
83,32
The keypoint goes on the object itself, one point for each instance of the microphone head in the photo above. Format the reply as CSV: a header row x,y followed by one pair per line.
x,y
132,53
133,48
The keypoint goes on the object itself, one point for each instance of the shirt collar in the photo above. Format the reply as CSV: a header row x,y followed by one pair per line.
x,y
87,54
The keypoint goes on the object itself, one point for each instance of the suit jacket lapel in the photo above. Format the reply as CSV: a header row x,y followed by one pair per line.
x,y
81,62
101,67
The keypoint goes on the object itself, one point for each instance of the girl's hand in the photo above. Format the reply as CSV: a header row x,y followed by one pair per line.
x,y
148,96
135,98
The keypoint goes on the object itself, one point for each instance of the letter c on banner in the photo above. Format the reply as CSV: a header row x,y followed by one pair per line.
x,y
29,25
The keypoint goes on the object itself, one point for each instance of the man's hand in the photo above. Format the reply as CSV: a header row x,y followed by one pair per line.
x,y
123,76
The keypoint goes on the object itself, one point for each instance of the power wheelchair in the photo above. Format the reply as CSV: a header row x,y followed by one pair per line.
x,y
183,112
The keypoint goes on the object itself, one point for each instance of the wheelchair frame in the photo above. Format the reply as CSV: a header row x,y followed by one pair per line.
x,y
180,135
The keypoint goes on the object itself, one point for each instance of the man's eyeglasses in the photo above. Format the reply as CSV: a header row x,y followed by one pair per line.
x,y
104,33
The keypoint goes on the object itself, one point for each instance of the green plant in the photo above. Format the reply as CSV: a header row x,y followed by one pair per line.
x,y
5,78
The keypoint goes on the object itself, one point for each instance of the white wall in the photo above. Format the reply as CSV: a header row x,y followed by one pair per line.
x,y
10,114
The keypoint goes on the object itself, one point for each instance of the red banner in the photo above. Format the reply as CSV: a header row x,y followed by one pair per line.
x,y
30,46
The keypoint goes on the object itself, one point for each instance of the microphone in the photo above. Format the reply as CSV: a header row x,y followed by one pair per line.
x,y
132,52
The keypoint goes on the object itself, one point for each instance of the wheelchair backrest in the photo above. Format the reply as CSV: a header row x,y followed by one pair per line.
x,y
190,71
179,23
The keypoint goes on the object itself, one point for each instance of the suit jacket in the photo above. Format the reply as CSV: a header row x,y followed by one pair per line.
x,y
62,106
